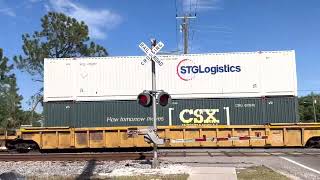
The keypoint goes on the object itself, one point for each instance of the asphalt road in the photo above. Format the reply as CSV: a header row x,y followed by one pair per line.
x,y
311,164
294,163
310,161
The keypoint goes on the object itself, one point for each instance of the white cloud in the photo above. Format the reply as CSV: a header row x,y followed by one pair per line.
x,y
199,5
8,12
99,21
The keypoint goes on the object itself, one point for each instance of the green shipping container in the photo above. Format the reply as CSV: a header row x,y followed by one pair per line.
x,y
233,111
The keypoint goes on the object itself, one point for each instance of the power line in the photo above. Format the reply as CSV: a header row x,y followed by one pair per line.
x,y
196,8
190,6
177,43
192,23
193,31
309,90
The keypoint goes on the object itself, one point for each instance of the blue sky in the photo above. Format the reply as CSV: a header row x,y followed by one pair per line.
x,y
220,26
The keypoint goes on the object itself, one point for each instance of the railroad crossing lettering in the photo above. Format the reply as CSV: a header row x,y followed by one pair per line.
x,y
151,53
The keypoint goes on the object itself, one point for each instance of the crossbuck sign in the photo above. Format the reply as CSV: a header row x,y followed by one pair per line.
x,y
151,53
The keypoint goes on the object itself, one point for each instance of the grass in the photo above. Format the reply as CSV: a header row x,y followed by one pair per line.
x,y
259,173
140,177
147,177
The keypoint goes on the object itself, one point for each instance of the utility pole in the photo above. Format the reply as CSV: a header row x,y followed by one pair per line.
x,y
185,35
185,30
314,108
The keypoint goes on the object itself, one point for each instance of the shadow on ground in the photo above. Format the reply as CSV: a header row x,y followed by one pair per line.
x,y
11,176
87,173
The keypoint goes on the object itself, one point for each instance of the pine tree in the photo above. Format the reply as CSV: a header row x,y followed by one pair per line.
x,y
60,36
10,100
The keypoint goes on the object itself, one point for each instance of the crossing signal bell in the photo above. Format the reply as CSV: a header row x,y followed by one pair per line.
x,y
145,99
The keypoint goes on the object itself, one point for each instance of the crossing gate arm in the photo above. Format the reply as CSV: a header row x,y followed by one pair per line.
x,y
151,136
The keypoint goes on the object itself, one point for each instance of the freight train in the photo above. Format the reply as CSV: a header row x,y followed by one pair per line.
x,y
247,88
218,99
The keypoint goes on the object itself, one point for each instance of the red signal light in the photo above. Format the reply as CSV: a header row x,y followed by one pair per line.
x,y
144,99
164,99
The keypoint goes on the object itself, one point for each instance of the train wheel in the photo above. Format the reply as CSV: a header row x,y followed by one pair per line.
x,y
313,142
22,146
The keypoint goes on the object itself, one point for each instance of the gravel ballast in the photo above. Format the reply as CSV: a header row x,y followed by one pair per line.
x,y
89,168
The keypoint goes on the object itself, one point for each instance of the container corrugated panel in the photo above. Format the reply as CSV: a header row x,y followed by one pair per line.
x,y
229,75
60,80
59,113
281,110
233,111
93,79
217,75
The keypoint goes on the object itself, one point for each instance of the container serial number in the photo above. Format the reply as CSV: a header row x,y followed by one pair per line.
x,y
245,105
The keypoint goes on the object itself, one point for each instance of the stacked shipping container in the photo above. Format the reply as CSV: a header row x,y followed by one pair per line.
x,y
220,88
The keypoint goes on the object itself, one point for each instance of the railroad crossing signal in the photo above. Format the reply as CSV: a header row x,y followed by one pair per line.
x,y
145,98
151,53
164,98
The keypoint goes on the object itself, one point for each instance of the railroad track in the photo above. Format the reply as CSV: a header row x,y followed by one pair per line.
x,y
74,156
118,156
235,154
240,152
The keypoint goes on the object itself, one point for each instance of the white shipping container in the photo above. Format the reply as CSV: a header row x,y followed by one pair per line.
x,y
217,75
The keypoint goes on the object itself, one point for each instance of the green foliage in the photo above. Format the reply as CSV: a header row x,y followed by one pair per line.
x,y
61,37
9,98
30,117
307,107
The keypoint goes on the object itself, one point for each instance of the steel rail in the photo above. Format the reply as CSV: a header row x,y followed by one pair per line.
x,y
74,156
118,156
